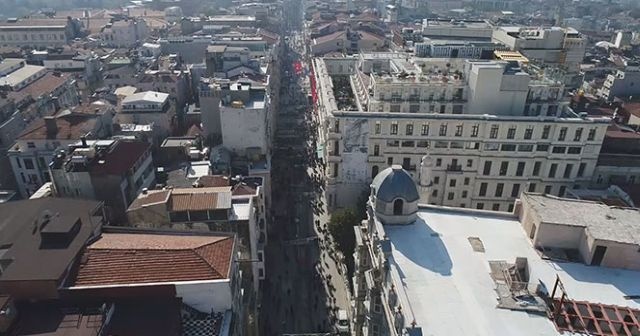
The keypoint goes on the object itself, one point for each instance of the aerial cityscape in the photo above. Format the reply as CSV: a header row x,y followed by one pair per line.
x,y
319,167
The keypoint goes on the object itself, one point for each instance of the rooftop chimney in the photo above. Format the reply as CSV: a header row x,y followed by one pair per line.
x,y
51,125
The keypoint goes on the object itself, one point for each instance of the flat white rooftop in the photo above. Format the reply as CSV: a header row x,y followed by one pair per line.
x,y
448,286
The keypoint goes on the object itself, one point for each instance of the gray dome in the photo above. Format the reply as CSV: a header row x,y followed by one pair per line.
x,y
395,182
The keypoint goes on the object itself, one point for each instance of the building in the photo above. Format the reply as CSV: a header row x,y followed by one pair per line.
x,y
239,111
16,73
348,41
622,39
466,30
148,107
473,133
37,33
621,84
422,269
33,230
554,46
125,33
112,171
35,147
200,270
457,49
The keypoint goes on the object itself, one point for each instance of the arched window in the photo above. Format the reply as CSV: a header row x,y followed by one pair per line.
x,y
374,171
397,207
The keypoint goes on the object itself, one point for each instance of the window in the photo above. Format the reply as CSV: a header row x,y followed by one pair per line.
x,y
528,133
18,163
31,145
450,196
443,130
464,194
390,161
508,148
547,189
496,207
487,168
563,134
469,163
376,150
378,127
425,129
511,132
394,128
414,108
515,190
406,163
493,134
510,208
574,150
545,131
499,189
442,108
409,129
434,193
474,130
520,169
436,180
457,109
28,164
578,134
559,149
374,171
397,207
542,148
438,162
483,189
491,147
423,143
480,206
408,143
567,171
592,134
532,187
458,130
552,170
562,190
336,126
442,144
504,167
581,168
457,144
335,170
452,183
466,181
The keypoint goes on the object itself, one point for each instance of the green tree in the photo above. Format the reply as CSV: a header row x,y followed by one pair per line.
x,y
341,229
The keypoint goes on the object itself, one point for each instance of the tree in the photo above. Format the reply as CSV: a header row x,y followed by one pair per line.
x,y
341,229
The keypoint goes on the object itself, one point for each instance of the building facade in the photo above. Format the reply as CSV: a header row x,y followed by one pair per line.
x,y
476,140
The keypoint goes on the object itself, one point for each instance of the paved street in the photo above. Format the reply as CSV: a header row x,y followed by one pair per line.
x,y
303,289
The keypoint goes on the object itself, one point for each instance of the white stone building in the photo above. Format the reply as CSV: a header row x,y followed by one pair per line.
x,y
125,33
475,136
148,107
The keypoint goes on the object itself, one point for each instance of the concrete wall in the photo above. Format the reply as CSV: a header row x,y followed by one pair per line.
x,y
617,255
559,236
206,296
243,128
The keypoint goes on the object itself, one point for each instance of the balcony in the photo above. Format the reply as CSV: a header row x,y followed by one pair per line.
x,y
454,168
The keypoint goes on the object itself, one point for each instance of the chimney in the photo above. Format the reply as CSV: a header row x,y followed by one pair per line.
x,y
51,125
84,141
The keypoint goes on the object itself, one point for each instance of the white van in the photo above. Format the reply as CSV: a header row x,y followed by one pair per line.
x,y
343,322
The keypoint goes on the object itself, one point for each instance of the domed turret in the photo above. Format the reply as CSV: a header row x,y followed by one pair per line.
x,y
395,196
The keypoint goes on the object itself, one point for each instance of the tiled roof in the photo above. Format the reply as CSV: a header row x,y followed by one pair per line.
x,y
243,189
69,127
194,202
124,259
45,85
213,181
152,197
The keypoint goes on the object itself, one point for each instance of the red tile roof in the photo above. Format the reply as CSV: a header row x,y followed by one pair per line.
x,y
213,181
194,202
49,83
124,259
69,127
151,198
243,189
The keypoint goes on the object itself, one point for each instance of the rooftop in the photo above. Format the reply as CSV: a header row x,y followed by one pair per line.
x,y
20,75
68,127
146,97
24,229
137,258
445,280
601,221
186,199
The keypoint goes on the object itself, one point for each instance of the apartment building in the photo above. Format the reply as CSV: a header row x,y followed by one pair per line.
x,y
471,133
111,171
37,33
149,107
35,147
621,84
125,33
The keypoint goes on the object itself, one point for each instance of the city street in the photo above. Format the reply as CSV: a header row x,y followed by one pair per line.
x,y
303,289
